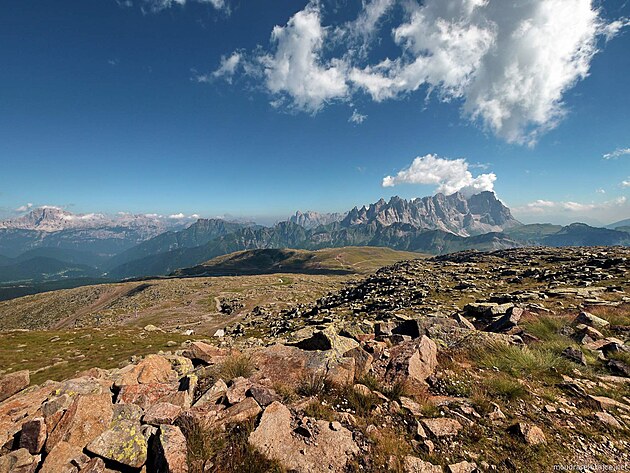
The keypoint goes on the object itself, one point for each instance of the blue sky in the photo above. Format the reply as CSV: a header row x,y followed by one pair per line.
x,y
125,106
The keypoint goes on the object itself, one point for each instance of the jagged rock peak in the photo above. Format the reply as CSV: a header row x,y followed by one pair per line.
x,y
480,213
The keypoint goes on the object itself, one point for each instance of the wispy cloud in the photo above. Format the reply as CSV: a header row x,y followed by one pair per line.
x,y
542,207
357,117
508,64
24,208
156,6
450,175
619,152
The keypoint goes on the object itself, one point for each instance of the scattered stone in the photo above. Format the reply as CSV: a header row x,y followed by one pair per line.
x,y
575,355
462,467
508,321
606,418
415,361
237,390
213,395
413,464
530,434
442,427
263,395
591,320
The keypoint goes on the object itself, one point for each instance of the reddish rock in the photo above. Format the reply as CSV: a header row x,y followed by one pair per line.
x,y
263,395
33,435
62,459
161,413
362,361
95,465
170,450
13,383
247,409
413,464
205,352
329,450
414,361
86,418
145,395
237,390
212,395
19,461
154,369
21,408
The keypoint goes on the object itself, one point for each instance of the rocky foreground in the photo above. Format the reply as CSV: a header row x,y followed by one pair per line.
x,y
516,360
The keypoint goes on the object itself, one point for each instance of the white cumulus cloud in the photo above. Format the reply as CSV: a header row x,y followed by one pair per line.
x,y
508,64
449,175
295,68
24,208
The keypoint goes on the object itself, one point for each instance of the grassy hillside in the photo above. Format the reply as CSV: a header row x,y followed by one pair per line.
x,y
327,261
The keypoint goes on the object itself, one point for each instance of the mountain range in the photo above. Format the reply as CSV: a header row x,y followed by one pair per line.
x,y
52,244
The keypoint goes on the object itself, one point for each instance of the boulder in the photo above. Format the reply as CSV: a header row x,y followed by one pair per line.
x,y
153,369
124,443
263,395
413,464
442,426
362,360
506,322
86,418
607,419
169,450
206,353
127,412
13,383
19,461
213,395
95,465
145,395
62,459
530,434
247,409
328,450
325,339
619,368
22,407
414,361
33,435
288,365
591,320
161,413
237,390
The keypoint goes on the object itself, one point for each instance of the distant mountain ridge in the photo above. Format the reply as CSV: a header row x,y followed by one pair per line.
x,y
480,213
310,219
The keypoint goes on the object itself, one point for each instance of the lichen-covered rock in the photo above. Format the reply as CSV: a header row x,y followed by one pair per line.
x,y
591,320
329,450
124,443
13,383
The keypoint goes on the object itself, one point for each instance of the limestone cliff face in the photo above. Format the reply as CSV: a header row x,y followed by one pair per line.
x,y
480,213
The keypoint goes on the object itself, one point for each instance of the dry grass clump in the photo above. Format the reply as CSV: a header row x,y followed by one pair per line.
x,y
236,366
